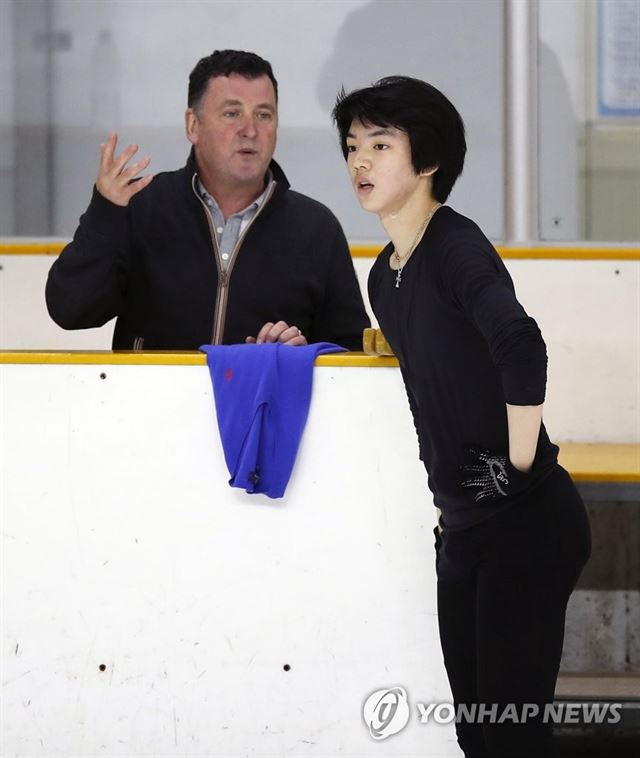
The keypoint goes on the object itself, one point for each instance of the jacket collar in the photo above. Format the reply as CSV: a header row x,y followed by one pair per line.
x,y
277,172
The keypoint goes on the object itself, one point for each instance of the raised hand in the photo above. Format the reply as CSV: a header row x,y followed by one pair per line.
x,y
114,177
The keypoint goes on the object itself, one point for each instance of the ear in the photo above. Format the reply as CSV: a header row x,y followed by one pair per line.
x,y
191,126
429,171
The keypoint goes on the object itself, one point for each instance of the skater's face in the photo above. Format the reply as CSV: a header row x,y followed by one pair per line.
x,y
380,168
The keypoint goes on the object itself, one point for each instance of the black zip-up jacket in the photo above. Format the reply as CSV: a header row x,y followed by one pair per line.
x,y
154,266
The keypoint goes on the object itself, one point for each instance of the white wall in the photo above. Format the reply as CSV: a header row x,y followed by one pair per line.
x,y
123,546
140,74
125,63
151,70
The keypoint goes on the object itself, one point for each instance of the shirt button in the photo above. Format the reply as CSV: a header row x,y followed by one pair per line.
x,y
225,256
220,229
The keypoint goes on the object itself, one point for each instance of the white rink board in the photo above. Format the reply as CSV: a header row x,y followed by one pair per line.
x,y
123,545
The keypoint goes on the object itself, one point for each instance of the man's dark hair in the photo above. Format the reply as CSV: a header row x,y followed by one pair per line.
x,y
433,125
225,63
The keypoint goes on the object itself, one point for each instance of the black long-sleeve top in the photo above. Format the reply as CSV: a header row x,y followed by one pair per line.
x,y
153,265
466,347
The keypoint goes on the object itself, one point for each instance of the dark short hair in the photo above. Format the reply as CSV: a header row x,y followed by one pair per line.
x,y
433,125
225,63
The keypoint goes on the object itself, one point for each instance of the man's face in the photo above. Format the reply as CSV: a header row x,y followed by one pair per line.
x,y
234,131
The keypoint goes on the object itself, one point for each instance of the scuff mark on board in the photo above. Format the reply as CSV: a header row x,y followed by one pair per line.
x,y
175,728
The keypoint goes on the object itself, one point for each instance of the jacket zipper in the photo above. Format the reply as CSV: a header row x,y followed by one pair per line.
x,y
222,294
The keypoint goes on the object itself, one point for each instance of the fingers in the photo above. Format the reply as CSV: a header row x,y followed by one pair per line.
x,y
273,332
111,164
114,180
298,340
119,164
292,336
264,332
106,151
136,168
280,332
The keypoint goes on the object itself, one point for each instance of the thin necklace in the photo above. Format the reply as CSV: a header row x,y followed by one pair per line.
x,y
400,258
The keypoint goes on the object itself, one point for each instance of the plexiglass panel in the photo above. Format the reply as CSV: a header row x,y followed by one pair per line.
x,y
589,120
76,70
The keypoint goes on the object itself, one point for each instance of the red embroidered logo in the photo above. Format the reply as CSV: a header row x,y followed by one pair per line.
x,y
228,374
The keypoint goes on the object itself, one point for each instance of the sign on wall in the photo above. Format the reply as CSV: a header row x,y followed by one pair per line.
x,y
619,58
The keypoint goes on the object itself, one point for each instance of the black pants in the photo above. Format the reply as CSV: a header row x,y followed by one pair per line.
x,y
503,588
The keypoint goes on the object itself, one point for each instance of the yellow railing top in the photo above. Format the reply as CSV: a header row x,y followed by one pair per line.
x,y
545,252
31,248
161,358
601,462
539,252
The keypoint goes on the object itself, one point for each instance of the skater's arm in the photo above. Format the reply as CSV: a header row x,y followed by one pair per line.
x,y
524,427
477,282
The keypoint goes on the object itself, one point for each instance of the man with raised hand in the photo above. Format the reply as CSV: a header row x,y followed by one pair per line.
x,y
220,251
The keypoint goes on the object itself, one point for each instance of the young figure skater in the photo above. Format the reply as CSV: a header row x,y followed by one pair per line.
x,y
513,534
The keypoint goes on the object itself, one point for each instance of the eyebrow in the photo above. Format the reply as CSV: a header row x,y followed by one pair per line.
x,y
382,132
267,106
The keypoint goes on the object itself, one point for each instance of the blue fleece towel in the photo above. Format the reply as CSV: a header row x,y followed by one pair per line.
x,y
262,395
